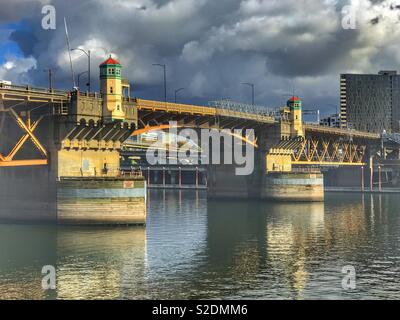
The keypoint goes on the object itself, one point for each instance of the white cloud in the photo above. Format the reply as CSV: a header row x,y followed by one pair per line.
x,y
16,69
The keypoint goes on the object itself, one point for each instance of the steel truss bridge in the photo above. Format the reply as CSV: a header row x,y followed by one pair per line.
x,y
320,145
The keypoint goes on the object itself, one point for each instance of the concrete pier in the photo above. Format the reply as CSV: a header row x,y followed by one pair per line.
x,y
293,187
29,195
60,158
101,201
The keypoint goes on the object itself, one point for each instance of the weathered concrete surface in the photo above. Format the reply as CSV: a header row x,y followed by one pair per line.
x,y
27,194
293,187
101,201
31,195
223,183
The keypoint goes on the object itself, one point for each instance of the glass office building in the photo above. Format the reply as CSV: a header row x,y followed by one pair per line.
x,y
370,102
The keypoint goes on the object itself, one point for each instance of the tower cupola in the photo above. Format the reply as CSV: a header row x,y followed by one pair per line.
x,y
111,89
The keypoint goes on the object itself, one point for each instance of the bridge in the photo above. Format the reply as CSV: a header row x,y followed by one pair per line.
x,y
72,141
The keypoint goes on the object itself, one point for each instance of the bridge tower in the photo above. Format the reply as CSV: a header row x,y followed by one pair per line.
x,y
296,122
111,89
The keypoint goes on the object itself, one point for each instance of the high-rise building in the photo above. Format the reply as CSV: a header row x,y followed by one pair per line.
x,y
370,102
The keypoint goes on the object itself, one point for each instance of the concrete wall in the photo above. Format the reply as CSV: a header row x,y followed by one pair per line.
x,y
289,187
27,194
75,163
346,177
95,201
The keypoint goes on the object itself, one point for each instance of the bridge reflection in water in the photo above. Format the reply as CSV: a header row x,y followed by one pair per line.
x,y
194,248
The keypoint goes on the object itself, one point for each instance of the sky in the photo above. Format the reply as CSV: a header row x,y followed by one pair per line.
x,y
210,47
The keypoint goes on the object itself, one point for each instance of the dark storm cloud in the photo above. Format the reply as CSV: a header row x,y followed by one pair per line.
x,y
210,46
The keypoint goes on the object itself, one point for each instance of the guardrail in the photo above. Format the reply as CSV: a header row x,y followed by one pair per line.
x,y
210,111
28,88
342,131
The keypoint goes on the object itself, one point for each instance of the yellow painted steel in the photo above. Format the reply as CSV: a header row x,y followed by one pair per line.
x,y
341,132
166,127
199,110
326,163
327,151
28,128
22,163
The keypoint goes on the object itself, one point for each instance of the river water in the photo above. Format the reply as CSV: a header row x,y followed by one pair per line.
x,y
198,249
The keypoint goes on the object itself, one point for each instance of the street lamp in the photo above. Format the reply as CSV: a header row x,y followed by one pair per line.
x,y
88,55
50,72
177,91
252,90
81,74
165,78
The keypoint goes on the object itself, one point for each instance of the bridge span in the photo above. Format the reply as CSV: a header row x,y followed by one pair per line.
x,y
60,151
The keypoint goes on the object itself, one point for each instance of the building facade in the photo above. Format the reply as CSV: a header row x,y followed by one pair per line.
x,y
332,121
370,102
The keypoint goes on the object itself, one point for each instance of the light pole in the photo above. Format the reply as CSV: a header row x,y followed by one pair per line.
x,y
50,72
177,91
362,179
88,55
165,78
79,76
252,90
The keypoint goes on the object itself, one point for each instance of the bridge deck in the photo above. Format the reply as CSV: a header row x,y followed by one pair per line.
x,y
199,110
27,93
341,132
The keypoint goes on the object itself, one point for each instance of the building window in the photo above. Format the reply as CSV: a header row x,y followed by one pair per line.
x,y
111,89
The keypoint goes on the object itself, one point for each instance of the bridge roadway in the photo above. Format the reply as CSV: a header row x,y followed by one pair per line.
x,y
148,108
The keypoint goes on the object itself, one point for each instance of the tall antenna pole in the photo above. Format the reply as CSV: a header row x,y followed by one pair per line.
x,y
69,53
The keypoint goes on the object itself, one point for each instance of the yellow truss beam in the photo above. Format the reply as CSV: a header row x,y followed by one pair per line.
x,y
325,163
7,161
23,163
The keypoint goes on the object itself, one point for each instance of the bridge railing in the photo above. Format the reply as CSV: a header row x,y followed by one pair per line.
x,y
28,88
174,107
342,131
208,111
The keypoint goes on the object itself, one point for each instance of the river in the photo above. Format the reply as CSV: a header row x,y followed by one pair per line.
x,y
193,248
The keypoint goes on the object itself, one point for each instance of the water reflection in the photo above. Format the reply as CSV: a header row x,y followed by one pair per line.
x,y
90,262
194,248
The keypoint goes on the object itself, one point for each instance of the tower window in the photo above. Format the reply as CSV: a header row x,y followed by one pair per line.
x,y
113,71
111,89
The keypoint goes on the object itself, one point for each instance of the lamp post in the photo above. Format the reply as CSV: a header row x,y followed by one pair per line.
x,y
50,73
177,91
380,178
79,76
88,56
362,179
165,78
252,90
